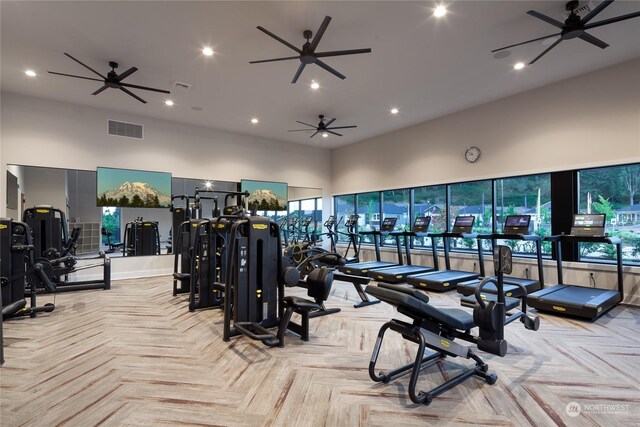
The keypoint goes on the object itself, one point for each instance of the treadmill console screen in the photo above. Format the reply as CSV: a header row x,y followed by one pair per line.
x,y
516,224
463,224
388,224
421,224
589,220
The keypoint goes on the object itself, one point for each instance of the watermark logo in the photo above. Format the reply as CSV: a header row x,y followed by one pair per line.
x,y
573,409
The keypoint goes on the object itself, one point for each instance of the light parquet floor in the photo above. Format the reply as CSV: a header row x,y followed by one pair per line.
x,y
135,356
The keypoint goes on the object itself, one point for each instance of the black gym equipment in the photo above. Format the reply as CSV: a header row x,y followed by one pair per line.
x,y
437,328
446,280
141,238
112,79
573,27
20,274
354,241
254,285
362,268
574,300
308,55
54,250
516,227
322,127
112,247
399,274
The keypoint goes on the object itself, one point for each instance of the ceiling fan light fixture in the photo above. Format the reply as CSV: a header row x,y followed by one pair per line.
x,y
168,103
325,135
440,11
315,85
207,51
394,111
518,66
255,121
30,73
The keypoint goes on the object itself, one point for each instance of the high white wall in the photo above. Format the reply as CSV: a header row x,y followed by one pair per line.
x,y
46,187
589,120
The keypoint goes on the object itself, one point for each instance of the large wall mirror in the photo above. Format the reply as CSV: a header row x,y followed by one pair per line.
x,y
74,193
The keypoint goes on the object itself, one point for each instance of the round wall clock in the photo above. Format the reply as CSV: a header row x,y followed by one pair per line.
x,y
472,154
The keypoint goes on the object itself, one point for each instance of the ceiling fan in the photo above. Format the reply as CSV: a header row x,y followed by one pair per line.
x,y
112,79
308,55
574,26
322,127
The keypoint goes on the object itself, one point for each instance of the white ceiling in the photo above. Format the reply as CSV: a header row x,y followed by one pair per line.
x,y
424,66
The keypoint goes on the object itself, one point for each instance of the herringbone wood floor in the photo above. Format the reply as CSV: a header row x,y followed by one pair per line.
x,y
134,355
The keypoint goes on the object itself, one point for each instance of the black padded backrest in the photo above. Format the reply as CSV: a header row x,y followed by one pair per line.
x,y
406,289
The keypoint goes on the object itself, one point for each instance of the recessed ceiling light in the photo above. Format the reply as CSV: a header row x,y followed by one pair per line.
x,y
315,85
518,66
30,73
207,51
254,121
208,184
394,111
325,135
168,103
440,11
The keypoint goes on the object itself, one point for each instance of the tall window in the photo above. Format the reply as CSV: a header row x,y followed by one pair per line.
x,y
395,204
471,198
615,192
111,221
525,195
368,206
343,207
430,201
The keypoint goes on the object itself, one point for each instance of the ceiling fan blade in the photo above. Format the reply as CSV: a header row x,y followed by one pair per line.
x,y
593,40
612,20
342,52
126,74
329,69
335,133
596,11
528,41
320,33
546,19
100,90
274,59
300,130
86,66
300,68
144,88
77,77
128,92
317,132
343,127
284,42
329,122
306,124
546,50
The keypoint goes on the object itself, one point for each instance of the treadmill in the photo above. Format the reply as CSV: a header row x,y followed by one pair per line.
x,y
362,268
399,273
516,227
446,280
574,300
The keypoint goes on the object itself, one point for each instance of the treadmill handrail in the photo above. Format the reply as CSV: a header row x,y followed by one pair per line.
x,y
612,240
449,234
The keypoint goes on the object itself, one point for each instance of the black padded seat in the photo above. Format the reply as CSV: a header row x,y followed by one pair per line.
x,y
509,302
182,276
401,296
301,304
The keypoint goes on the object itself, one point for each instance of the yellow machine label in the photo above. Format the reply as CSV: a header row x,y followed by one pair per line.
x,y
364,271
194,225
380,277
483,296
220,225
348,271
42,210
398,277
147,225
259,226
3,226
599,309
558,308
446,284
509,294
445,343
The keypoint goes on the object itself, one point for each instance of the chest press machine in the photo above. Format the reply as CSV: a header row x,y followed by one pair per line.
x,y
436,328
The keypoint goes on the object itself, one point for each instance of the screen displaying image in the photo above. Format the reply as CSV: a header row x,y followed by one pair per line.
x,y
589,220
517,221
127,188
271,196
421,223
464,221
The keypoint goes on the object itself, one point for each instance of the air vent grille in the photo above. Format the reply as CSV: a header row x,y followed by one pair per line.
x,y
129,130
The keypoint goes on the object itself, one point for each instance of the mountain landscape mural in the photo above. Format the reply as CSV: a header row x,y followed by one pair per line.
x,y
133,189
270,196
